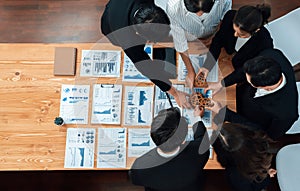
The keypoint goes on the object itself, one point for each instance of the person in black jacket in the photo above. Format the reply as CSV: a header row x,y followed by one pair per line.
x,y
130,24
246,154
269,97
175,164
243,35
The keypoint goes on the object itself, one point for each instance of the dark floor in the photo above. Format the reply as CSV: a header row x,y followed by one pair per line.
x,y
65,21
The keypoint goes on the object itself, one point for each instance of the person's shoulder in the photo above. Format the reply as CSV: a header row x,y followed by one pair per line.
x,y
172,7
222,2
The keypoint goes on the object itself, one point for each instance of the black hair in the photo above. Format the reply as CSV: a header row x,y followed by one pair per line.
x,y
168,129
250,18
263,71
251,150
195,6
151,22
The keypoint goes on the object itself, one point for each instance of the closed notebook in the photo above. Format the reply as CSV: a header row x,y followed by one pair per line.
x,y
65,61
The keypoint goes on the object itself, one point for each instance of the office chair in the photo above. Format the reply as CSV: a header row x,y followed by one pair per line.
x,y
288,167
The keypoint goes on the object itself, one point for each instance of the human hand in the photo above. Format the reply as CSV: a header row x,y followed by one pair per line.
x,y
180,98
215,87
215,106
189,80
199,111
204,71
272,172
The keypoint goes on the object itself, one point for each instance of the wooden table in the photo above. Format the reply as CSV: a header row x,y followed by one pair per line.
x,y
30,100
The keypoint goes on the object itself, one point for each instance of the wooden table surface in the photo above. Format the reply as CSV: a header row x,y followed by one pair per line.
x,y
30,100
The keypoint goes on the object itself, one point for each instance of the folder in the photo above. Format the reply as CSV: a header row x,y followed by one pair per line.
x,y
65,61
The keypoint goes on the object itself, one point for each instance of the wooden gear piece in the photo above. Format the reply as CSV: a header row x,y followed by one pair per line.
x,y
197,99
200,81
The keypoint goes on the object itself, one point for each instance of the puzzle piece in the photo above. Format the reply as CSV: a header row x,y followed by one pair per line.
x,y
200,81
197,99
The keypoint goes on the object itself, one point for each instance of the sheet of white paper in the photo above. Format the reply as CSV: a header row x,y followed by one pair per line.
x,y
111,148
161,101
80,147
285,33
107,100
197,61
100,63
130,73
189,113
74,103
139,141
138,105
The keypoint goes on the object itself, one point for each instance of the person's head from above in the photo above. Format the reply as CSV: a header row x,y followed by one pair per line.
x,y
250,149
199,6
151,23
262,72
249,19
169,129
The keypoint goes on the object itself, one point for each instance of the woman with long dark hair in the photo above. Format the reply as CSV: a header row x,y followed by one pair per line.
x,y
246,154
242,34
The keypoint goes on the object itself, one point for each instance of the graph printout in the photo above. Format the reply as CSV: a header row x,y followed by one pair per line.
x,y
80,144
111,148
130,73
138,105
161,100
197,62
100,63
74,103
139,141
107,100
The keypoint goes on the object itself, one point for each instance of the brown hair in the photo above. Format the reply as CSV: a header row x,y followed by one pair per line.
x,y
250,150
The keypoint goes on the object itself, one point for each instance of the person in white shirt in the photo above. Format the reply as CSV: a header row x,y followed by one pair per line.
x,y
191,20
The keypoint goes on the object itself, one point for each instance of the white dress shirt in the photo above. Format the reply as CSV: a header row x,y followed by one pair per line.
x,y
187,26
261,92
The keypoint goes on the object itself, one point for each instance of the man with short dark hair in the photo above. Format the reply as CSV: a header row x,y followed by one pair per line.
x,y
130,24
269,97
175,164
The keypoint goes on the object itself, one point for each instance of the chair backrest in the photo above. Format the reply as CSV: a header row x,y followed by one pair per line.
x,y
288,167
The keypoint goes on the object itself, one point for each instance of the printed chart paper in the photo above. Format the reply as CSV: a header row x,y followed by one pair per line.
x,y
107,100
80,144
161,100
130,73
139,141
197,62
100,63
74,103
111,148
138,105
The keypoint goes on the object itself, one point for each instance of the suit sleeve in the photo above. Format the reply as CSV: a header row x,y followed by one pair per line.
x,y
152,69
199,130
217,42
237,76
233,117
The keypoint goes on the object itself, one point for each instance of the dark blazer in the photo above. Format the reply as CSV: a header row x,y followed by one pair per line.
x,y
115,22
225,38
178,173
274,113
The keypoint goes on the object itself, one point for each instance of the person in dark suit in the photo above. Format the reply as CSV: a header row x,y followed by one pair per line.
x,y
175,164
269,97
246,154
243,35
130,24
